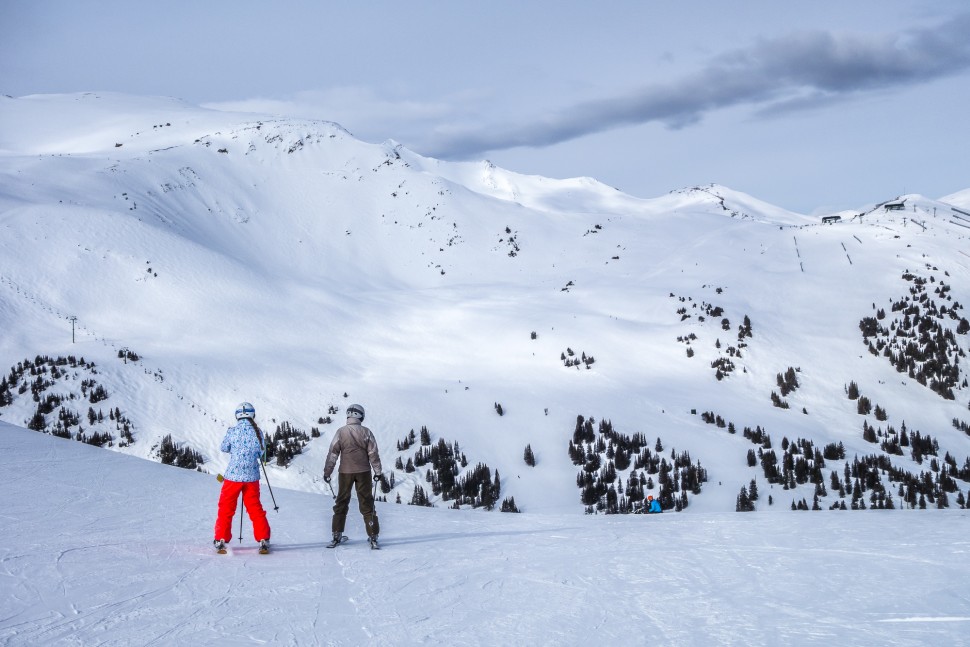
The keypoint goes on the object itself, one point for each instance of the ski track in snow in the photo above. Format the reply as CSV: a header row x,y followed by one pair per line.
x,y
107,549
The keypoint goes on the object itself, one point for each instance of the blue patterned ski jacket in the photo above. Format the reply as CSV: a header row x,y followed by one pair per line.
x,y
245,453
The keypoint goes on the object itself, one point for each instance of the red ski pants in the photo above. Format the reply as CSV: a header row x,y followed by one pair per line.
x,y
227,509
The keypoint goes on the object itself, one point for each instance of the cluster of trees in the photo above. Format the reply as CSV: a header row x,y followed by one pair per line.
x,y
448,474
98,438
326,420
123,426
687,339
605,455
513,244
802,463
42,364
404,445
916,341
172,453
569,359
744,330
93,391
723,365
746,497
40,375
126,354
419,497
285,443
864,404
921,490
788,382
896,442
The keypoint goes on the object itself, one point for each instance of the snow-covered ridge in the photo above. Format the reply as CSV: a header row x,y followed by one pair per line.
x,y
284,262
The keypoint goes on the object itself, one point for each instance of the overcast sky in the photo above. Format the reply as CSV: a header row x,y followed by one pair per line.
x,y
813,106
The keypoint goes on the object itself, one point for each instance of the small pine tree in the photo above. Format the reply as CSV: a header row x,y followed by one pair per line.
x,y
853,391
529,457
744,503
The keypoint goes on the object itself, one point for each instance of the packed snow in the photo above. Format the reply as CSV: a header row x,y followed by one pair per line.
x,y
106,549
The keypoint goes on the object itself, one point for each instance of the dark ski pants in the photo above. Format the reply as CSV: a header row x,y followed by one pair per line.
x,y
362,482
227,509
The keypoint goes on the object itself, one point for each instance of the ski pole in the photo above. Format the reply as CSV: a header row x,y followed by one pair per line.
x,y
275,507
259,434
221,478
331,490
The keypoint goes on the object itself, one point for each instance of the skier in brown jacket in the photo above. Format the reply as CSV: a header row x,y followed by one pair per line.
x,y
354,444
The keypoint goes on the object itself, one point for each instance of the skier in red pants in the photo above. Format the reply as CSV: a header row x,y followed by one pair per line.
x,y
245,447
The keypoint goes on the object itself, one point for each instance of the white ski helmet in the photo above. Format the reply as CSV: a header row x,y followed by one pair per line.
x,y
245,410
356,411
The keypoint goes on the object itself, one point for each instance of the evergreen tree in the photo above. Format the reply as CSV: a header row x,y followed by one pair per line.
x,y
529,457
853,391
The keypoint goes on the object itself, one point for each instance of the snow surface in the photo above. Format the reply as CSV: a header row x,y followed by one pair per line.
x,y
283,262
105,549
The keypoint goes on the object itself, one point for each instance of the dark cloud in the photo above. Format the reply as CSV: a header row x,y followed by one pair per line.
x,y
797,72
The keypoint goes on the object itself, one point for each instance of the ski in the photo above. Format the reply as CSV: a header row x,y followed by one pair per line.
x,y
336,542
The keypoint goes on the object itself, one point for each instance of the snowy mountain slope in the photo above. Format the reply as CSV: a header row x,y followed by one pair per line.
x,y
960,199
286,263
101,548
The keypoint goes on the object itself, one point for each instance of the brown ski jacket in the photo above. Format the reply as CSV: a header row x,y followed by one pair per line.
x,y
354,444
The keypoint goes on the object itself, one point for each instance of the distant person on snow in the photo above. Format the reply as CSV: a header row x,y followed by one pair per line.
x,y
356,448
653,505
245,447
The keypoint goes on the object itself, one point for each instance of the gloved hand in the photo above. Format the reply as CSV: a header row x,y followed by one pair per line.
x,y
326,479
377,477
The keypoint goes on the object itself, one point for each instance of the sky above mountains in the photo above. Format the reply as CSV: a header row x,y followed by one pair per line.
x,y
814,108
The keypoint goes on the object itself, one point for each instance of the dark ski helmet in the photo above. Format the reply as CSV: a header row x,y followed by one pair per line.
x,y
356,411
245,410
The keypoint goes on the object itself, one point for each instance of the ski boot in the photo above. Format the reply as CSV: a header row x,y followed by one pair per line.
x,y
373,542
264,546
338,538
219,545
